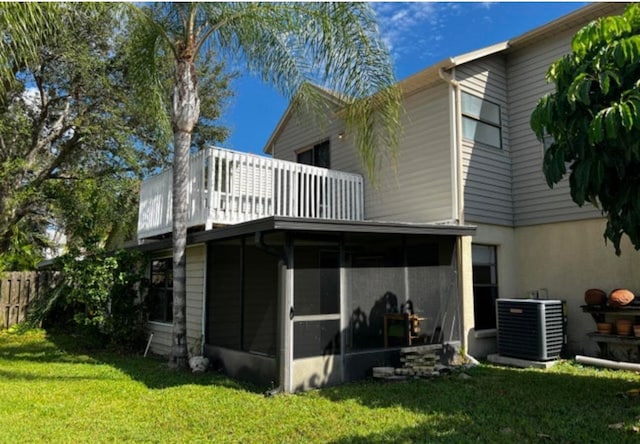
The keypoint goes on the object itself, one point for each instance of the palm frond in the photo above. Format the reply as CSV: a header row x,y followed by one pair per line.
x,y
149,46
23,28
333,45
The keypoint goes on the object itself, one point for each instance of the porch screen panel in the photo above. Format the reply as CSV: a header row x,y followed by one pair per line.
x,y
399,274
260,299
316,326
432,287
224,273
375,287
317,280
316,338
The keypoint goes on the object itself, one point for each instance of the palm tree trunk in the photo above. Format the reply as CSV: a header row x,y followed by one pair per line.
x,y
185,113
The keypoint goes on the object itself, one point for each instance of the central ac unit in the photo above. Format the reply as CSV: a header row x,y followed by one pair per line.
x,y
532,329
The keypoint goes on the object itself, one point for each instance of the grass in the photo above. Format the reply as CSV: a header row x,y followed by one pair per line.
x,y
52,392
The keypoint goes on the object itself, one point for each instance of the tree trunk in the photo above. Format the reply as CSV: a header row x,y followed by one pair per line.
x,y
185,112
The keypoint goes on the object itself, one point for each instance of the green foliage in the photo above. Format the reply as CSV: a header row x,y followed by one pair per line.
x,y
24,248
97,212
148,61
62,119
73,145
288,45
99,293
594,118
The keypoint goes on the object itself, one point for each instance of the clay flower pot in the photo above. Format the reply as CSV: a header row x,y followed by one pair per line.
x,y
605,328
623,327
620,297
595,296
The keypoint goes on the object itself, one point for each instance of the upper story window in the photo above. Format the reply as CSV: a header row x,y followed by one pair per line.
x,y
481,121
319,155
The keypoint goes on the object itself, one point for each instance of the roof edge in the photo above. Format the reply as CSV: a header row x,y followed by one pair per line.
x,y
422,79
586,14
331,96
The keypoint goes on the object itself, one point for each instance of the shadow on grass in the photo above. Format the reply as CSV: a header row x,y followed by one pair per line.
x,y
30,376
506,405
151,371
154,373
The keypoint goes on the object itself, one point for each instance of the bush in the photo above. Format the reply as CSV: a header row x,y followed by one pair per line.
x,y
97,297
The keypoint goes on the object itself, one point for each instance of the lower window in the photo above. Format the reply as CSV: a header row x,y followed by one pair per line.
x,y
160,298
485,286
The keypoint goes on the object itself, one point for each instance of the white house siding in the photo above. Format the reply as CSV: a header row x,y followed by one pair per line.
x,y
304,131
421,191
161,342
487,170
534,202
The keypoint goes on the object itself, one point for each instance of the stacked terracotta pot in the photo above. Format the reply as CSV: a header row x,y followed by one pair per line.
x,y
619,297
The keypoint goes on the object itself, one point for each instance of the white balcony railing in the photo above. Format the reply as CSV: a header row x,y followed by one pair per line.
x,y
228,187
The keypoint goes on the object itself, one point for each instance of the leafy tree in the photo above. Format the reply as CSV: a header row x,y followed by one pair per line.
x,y
73,146
594,120
62,119
335,45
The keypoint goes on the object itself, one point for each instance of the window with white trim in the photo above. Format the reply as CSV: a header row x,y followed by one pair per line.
x,y
481,120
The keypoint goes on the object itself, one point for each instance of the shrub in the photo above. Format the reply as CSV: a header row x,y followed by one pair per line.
x,y
96,296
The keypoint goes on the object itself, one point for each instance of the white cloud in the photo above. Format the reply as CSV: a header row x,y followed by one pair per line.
x,y
422,31
405,25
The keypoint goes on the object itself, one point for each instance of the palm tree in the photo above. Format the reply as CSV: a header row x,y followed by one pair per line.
x,y
289,45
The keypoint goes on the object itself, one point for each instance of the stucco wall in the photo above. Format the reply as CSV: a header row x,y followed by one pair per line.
x,y
318,371
568,258
481,343
558,261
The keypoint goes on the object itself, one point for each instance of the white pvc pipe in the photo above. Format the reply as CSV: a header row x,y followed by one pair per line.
x,y
146,350
456,142
618,365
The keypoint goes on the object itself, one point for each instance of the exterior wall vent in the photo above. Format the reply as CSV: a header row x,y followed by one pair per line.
x,y
532,329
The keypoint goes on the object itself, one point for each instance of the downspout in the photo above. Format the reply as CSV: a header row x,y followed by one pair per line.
x,y
456,143
204,300
458,195
259,240
283,261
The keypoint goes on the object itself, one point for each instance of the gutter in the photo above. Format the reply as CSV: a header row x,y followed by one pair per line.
x,y
456,143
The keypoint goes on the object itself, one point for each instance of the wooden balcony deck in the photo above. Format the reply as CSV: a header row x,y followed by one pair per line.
x,y
229,187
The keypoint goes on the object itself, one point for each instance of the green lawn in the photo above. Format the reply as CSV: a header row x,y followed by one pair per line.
x,y
50,393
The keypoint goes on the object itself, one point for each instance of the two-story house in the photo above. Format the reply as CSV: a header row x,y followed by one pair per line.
x,y
307,274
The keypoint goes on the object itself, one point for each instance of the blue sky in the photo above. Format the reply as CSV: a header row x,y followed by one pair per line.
x,y
418,34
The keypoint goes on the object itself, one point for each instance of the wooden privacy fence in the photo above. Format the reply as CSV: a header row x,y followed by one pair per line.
x,y
17,290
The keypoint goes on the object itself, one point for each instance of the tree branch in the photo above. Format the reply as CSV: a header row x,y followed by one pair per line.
x,y
57,129
66,149
3,148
